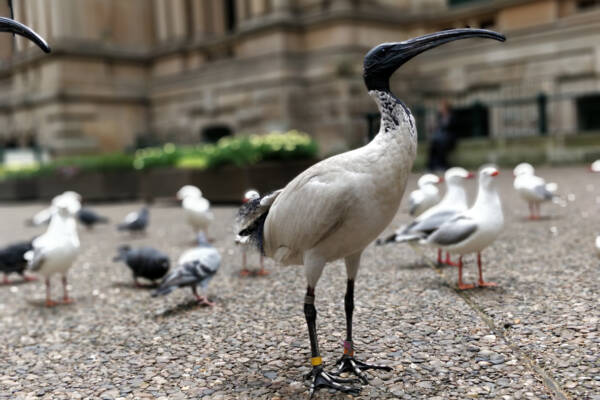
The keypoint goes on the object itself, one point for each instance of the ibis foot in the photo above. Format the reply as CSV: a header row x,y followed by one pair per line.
x,y
350,364
322,379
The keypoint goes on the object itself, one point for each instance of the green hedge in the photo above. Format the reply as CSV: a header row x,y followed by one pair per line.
x,y
238,151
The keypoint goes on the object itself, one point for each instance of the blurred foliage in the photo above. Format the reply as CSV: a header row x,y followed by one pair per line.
x,y
239,151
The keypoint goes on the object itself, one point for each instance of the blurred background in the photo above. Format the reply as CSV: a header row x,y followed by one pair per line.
x,y
125,75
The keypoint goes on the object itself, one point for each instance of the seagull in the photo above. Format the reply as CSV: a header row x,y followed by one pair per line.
x,y
532,189
89,218
598,245
144,262
475,229
195,267
55,251
135,221
43,217
196,209
336,208
454,202
12,260
240,240
595,166
426,196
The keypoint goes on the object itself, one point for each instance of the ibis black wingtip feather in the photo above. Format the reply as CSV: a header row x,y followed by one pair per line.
x,y
10,25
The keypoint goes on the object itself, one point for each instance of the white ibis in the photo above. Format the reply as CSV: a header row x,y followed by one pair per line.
x,y
244,245
55,251
454,202
196,209
337,207
532,189
426,196
475,229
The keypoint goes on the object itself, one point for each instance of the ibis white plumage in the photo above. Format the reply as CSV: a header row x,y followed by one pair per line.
x,y
426,196
475,229
532,188
338,206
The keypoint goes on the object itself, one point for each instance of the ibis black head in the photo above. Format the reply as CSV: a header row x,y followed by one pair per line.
x,y
383,60
10,25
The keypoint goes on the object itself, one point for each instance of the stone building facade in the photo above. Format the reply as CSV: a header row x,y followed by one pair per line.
x,y
124,72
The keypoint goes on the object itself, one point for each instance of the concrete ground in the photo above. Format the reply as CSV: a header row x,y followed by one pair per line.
x,y
534,337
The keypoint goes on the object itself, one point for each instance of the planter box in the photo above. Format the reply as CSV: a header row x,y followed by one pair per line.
x,y
221,185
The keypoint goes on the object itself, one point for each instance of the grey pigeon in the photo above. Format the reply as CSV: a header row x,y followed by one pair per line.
x,y
144,262
196,267
135,221
89,218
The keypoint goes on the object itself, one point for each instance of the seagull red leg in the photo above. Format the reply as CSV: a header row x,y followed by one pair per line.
x,y
49,302
66,298
461,285
531,210
448,260
439,258
244,272
481,282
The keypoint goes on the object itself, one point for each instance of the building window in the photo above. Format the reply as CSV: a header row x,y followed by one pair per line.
x,y
213,133
453,3
230,15
588,113
587,4
471,121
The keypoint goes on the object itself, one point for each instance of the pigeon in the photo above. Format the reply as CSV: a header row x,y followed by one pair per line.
x,y
195,267
243,242
196,209
532,189
475,229
144,262
89,218
12,260
426,196
136,221
55,251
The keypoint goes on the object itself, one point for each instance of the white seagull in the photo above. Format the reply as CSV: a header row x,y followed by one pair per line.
x,y
426,196
196,209
242,241
337,207
55,251
532,189
595,166
454,202
43,217
475,229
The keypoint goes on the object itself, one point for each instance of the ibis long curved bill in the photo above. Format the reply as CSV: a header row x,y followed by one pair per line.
x,y
383,60
10,25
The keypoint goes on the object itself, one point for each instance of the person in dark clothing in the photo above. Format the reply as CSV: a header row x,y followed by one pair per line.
x,y
443,140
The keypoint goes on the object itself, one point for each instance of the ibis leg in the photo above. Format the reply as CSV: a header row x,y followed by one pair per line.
x,y
347,363
320,378
262,271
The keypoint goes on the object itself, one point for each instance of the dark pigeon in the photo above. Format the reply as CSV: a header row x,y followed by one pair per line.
x,y
135,221
144,262
89,218
12,259
196,267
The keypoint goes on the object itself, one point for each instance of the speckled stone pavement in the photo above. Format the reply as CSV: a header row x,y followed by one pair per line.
x,y
536,336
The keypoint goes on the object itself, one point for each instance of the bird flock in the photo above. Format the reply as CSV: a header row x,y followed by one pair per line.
x,y
333,210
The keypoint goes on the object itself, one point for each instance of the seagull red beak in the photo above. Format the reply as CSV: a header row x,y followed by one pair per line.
x,y
495,173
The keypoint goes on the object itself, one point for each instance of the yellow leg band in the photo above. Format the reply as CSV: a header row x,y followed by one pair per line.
x,y
316,361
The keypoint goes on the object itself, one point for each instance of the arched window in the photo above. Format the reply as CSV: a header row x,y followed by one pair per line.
x,y
213,133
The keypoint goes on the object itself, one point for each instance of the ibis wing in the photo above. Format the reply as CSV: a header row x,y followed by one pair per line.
x,y
454,231
309,209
